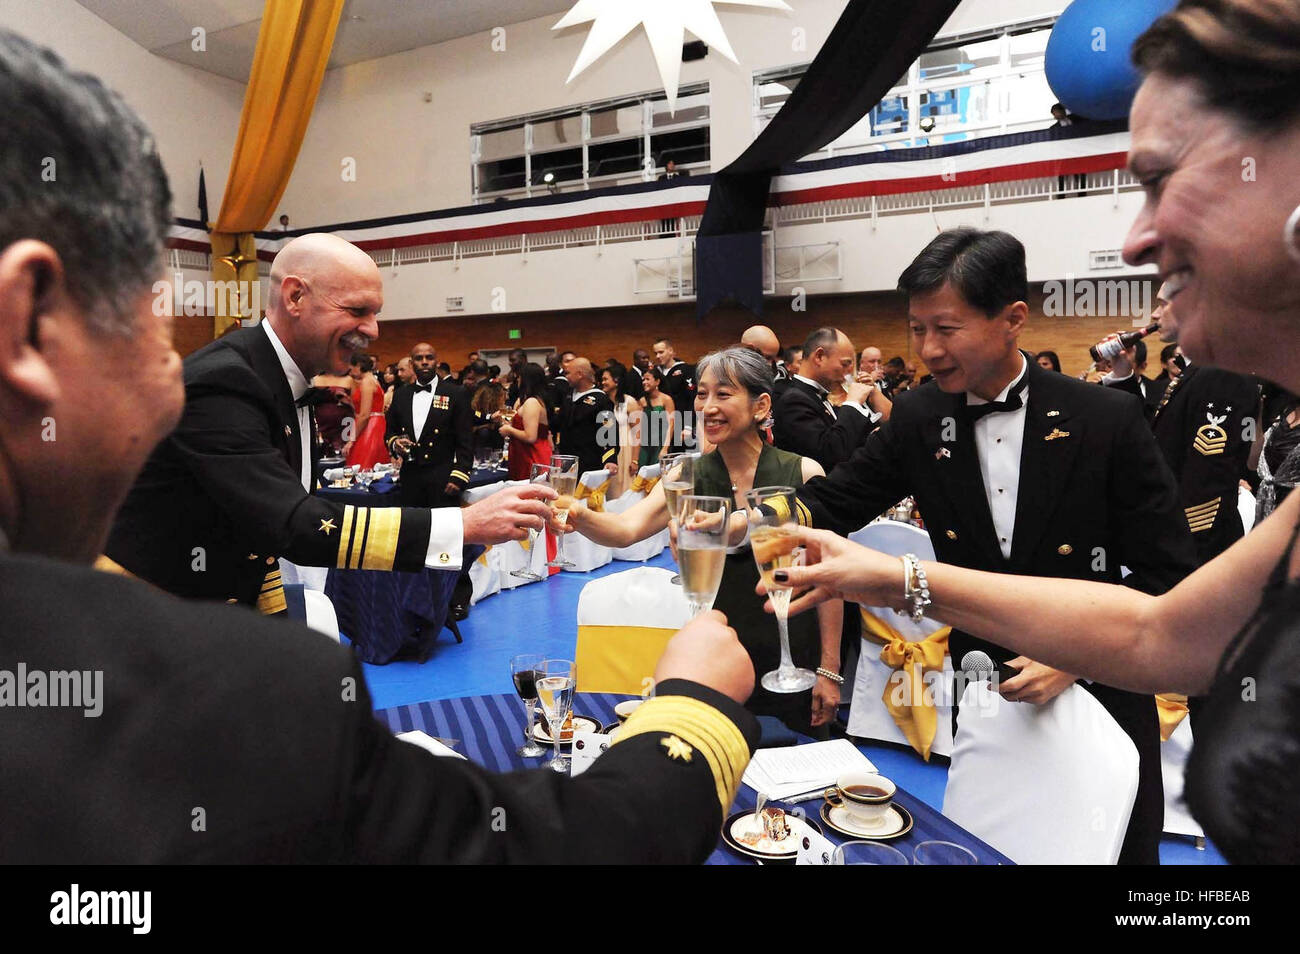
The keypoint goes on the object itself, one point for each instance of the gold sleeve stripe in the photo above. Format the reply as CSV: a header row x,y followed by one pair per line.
x,y
780,507
1201,517
271,600
461,474
711,733
803,514
381,542
345,536
604,458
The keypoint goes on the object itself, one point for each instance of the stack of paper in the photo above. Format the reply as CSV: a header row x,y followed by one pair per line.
x,y
798,769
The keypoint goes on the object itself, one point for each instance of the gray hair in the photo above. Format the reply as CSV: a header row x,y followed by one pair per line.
x,y
740,365
80,172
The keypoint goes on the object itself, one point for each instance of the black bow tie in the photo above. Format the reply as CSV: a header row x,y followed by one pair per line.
x,y
426,388
1013,402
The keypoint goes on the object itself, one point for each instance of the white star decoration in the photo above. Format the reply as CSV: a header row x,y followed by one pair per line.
x,y
666,22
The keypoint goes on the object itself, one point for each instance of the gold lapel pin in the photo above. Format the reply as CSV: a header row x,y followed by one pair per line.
x,y
1053,413
1056,432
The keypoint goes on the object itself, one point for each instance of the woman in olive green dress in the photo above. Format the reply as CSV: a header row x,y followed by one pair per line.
x,y
733,399
656,419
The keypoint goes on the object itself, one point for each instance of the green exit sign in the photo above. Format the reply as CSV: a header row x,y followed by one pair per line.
x,y
516,334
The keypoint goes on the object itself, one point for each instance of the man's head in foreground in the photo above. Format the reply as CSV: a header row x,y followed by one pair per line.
x,y
89,380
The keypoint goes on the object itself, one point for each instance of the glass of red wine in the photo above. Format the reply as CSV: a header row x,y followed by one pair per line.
x,y
523,671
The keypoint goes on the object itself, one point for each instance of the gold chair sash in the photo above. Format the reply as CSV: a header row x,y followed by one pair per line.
x,y
643,485
915,715
1172,709
595,496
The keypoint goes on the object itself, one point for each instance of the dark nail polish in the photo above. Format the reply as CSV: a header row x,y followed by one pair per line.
x,y
781,576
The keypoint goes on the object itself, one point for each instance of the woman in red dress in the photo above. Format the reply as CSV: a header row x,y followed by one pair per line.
x,y
530,439
368,449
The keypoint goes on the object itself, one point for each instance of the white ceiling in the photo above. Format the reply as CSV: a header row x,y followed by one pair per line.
x,y
368,29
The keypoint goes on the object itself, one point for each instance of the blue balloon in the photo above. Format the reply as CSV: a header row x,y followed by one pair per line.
x,y
1088,61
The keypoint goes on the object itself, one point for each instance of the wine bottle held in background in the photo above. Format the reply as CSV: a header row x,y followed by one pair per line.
x,y
1109,347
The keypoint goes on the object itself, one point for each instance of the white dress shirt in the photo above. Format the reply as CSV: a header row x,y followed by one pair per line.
x,y
998,441
298,385
446,529
421,401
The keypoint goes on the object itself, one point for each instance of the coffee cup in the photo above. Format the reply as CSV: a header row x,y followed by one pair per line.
x,y
864,796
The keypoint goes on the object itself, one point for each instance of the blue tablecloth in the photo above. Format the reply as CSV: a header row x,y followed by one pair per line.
x,y
491,727
384,493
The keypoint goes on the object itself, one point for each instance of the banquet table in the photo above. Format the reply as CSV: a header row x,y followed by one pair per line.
x,y
489,729
393,615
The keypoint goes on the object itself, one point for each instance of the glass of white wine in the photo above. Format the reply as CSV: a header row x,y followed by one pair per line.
x,y
677,477
702,548
541,474
774,538
556,681
564,478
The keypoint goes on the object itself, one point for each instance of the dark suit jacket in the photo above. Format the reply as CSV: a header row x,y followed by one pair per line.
x,y
805,427
1146,390
590,432
1094,497
221,499
444,450
679,384
267,728
1208,459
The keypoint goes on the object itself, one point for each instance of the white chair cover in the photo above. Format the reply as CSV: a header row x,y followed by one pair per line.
x,y
1173,763
642,550
320,613
868,717
578,550
485,575
312,577
624,621
1246,506
1051,784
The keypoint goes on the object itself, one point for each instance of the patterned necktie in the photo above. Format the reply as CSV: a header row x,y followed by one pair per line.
x,y
1169,392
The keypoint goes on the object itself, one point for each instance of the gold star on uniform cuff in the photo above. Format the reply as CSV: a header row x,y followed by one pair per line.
x,y
677,749
326,526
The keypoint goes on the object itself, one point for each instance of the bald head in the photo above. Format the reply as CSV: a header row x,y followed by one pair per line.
x,y
869,360
580,374
325,298
763,340
424,361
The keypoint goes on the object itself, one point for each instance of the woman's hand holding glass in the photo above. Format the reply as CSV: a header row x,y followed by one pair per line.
x,y
839,569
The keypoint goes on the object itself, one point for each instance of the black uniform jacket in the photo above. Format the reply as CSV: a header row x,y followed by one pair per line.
x,y
445,448
1095,495
590,432
807,427
225,737
221,499
1205,428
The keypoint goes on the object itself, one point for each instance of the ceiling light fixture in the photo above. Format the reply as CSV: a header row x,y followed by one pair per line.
x,y
665,21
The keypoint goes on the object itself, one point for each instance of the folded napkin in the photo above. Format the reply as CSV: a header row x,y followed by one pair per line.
x,y
383,485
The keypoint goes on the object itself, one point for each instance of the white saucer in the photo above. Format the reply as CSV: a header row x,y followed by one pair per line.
x,y
542,732
897,822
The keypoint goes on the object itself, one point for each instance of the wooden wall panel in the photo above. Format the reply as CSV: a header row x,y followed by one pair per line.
x,y
869,319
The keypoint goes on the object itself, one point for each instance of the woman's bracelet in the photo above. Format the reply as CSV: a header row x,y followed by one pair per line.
x,y
832,676
916,589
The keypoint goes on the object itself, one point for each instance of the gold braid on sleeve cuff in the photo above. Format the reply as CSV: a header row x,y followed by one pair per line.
x,y
270,600
704,728
802,512
368,538
460,475
604,458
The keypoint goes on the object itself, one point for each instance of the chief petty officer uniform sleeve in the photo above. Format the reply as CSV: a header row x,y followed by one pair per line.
x,y
225,439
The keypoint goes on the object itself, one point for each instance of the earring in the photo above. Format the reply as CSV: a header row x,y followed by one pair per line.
x,y
1289,235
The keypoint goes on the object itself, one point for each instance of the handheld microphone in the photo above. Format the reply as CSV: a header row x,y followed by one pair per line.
x,y
980,665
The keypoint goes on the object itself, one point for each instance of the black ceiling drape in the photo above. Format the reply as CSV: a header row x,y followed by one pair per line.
x,y
872,45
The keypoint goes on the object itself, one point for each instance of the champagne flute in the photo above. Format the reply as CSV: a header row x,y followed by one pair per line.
x,y
702,548
556,681
541,474
564,478
774,538
677,477
523,672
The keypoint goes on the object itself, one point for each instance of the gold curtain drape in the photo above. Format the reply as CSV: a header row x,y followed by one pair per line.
x,y
293,49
